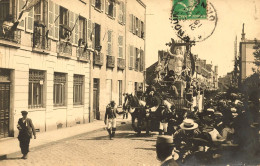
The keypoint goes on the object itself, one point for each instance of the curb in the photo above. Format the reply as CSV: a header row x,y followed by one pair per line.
x,y
5,156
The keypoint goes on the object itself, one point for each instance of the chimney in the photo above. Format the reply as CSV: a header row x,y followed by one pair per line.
x,y
243,33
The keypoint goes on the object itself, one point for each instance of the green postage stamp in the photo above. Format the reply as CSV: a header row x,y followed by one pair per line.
x,y
189,9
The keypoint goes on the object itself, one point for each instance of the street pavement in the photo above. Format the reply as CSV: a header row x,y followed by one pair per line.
x,y
93,148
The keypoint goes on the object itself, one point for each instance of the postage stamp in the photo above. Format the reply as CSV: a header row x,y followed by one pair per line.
x,y
189,9
196,30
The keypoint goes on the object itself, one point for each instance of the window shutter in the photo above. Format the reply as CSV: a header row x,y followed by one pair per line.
x,y
30,21
76,29
134,30
114,10
93,35
102,5
51,19
19,8
56,24
106,6
89,34
85,31
131,59
131,23
123,12
71,24
139,28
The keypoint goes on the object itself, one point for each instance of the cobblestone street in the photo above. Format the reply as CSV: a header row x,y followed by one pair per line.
x,y
93,148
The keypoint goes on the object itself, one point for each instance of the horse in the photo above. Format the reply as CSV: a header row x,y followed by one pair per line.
x,y
137,110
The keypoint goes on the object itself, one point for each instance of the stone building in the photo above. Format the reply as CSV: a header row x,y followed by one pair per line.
x,y
63,60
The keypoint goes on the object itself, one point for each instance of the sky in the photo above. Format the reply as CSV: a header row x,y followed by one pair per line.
x,y
218,48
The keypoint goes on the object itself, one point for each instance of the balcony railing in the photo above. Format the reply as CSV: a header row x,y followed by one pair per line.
x,y
40,43
121,63
64,49
10,38
110,61
98,58
82,55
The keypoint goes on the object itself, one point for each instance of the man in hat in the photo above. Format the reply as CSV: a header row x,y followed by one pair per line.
x,y
26,129
183,138
164,148
110,119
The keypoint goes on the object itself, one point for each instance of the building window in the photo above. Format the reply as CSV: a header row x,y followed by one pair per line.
x,y
64,23
82,31
98,4
36,82
142,30
121,14
120,46
97,36
109,42
59,88
78,85
120,94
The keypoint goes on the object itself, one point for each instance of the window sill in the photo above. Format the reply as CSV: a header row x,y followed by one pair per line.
x,y
78,106
36,109
121,23
83,1
113,18
97,9
59,107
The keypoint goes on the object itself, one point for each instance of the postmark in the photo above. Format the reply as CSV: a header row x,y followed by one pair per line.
x,y
190,9
195,30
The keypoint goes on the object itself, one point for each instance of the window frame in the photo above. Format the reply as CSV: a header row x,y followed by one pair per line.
x,y
36,78
78,89
59,86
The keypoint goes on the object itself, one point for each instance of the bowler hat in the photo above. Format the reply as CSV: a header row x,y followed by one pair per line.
x,y
24,112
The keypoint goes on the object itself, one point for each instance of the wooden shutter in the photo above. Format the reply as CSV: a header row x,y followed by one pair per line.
x,y
51,18
76,29
89,34
71,24
131,23
123,12
93,35
106,6
139,28
19,8
131,57
114,10
102,5
56,14
134,23
30,21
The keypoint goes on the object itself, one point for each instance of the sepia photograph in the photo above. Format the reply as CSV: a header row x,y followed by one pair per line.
x,y
129,82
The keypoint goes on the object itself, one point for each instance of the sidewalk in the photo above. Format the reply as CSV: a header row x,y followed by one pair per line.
x,y
11,145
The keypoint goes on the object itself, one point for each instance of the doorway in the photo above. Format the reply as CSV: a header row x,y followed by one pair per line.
x,y
96,113
4,102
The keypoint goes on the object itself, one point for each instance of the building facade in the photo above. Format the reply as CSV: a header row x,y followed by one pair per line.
x,y
63,60
246,58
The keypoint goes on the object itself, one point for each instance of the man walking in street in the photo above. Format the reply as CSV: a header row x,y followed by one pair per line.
x,y
26,129
110,119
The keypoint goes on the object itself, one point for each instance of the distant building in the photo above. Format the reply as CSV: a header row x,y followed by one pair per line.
x,y
246,57
225,82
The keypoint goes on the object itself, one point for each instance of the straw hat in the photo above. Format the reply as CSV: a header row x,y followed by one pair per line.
x,y
188,124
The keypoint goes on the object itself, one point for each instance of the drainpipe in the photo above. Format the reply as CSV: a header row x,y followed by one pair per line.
x,y
144,88
90,76
125,44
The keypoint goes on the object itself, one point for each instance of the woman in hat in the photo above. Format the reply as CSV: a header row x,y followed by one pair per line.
x,y
26,129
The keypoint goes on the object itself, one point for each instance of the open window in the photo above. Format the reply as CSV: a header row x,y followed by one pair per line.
x,y
65,29
40,25
82,32
111,8
97,37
